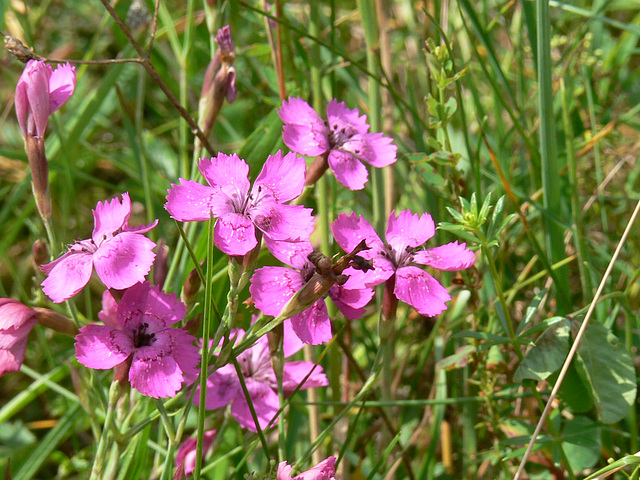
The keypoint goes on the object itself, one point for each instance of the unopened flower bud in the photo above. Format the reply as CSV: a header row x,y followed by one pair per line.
x,y
56,321
191,288
160,267
40,253
39,174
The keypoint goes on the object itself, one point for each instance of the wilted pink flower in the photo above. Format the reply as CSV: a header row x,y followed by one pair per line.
x,y
344,138
392,260
239,210
325,470
16,321
187,454
272,287
120,253
40,92
223,386
161,357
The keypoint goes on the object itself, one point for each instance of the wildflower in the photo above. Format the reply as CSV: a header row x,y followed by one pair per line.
x,y
392,260
120,253
343,140
16,322
161,358
240,211
39,93
186,456
325,470
223,386
272,288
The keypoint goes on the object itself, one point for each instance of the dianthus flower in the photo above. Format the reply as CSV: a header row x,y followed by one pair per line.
x,y
392,260
40,92
187,453
161,357
343,140
223,386
240,210
325,470
16,322
272,287
120,253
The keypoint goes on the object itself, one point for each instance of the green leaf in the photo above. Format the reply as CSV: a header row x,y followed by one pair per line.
x,y
461,358
574,391
531,310
581,443
548,354
609,371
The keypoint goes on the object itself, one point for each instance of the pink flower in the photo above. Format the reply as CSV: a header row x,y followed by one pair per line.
x,y
240,210
223,386
16,321
325,470
392,260
344,136
40,92
121,255
186,456
272,287
161,357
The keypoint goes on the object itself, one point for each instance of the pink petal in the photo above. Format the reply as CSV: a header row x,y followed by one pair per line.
x,y
272,287
222,387
187,453
154,374
22,107
102,347
235,234
143,303
291,343
295,373
14,314
109,217
109,310
180,346
351,120
226,170
190,201
351,302
450,257
140,228
11,359
124,260
283,222
12,335
304,131
61,85
265,402
358,280
350,230
420,290
409,230
313,325
284,471
379,151
283,176
37,82
348,170
69,274
293,254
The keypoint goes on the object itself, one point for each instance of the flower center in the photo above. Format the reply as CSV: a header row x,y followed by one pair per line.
x,y
339,134
399,258
141,338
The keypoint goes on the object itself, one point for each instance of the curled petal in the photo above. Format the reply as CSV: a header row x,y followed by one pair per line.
x,y
420,290
124,260
190,201
409,230
37,86
283,176
348,170
61,85
154,374
450,257
102,347
14,314
11,359
226,170
15,334
67,275
109,217
235,234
